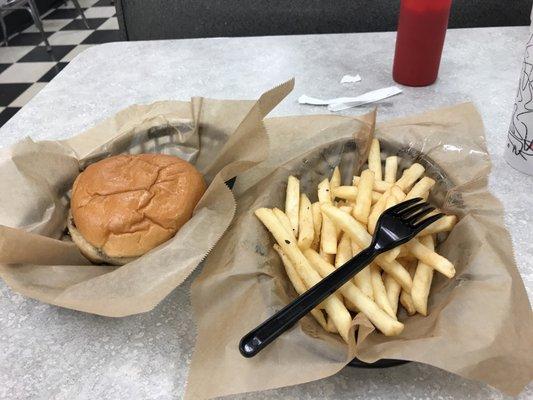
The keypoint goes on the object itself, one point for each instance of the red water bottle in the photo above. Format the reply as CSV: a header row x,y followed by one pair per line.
x,y
419,41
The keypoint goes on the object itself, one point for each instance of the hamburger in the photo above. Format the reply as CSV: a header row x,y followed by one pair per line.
x,y
123,206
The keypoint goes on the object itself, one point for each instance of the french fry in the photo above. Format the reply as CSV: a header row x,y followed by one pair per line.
x,y
344,251
355,229
348,224
346,209
345,192
350,193
384,322
380,204
330,258
335,181
410,176
407,303
377,210
397,271
391,169
331,326
324,194
405,298
344,254
305,223
327,257
380,294
421,188
292,202
317,225
445,224
362,280
319,316
429,257
378,186
393,289
284,220
405,255
391,201
398,193
328,235
333,306
422,280
374,160
364,197
298,284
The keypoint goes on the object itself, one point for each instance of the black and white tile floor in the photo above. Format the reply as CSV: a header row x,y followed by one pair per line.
x,y
26,66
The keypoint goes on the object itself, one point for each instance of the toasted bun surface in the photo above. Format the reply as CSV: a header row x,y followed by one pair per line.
x,y
126,205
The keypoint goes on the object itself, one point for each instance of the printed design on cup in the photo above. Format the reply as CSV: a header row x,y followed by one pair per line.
x,y
520,135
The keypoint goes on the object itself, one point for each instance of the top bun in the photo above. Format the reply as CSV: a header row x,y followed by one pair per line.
x,y
128,204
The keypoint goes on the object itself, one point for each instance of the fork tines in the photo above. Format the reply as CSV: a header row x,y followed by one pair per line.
x,y
412,211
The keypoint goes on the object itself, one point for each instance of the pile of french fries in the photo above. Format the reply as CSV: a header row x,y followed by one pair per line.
x,y
315,238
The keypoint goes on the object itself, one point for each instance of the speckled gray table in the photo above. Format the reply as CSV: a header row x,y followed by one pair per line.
x,y
52,353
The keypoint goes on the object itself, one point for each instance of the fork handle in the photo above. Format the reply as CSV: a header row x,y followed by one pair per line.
x,y
257,339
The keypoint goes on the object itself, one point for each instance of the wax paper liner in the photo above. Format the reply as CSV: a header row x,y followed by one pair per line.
x,y
480,322
222,138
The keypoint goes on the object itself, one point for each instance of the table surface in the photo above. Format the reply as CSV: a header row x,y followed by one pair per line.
x,y
49,352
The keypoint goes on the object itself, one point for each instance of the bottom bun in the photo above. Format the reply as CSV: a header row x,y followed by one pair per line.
x,y
90,252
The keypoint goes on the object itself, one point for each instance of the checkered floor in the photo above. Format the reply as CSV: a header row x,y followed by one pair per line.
x,y
26,66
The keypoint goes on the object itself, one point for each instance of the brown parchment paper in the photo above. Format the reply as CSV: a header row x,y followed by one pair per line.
x,y
222,138
480,323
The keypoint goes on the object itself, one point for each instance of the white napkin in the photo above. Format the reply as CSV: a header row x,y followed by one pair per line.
x,y
342,103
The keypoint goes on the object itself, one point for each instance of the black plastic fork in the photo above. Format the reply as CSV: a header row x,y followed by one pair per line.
x,y
395,226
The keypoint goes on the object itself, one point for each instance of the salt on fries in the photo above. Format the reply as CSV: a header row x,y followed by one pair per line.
x,y
313,239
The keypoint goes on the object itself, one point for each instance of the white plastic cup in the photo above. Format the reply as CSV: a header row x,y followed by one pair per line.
x,y
519,149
